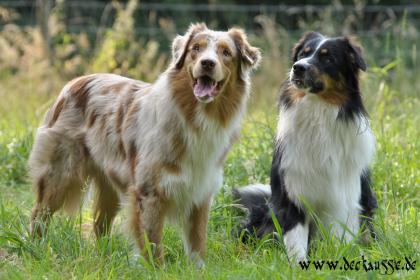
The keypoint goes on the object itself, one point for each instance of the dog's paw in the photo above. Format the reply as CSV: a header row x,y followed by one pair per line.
x,y
197,260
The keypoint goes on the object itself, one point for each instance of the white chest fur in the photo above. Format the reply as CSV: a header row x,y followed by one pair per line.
x,y
323,157
201,170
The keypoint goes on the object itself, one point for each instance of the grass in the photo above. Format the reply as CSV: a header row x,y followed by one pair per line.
x,y
392,95
70,250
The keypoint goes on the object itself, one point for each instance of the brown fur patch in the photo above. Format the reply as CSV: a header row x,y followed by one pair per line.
x,y
135,216
115,88
197,234
129,97
103,123
104,128
119,118
80,91
182,93
132,158
116,179
172,168
92,119
131,114
223,45
57,110
85,148
295,95
334,92
138,85
201,40
334,97
40,190
121,149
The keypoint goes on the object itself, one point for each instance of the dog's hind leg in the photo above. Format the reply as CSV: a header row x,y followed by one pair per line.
x,y
55,169
52,194
296,241
106,205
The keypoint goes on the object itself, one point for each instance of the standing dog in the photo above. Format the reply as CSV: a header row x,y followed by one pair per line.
x,y
323,148
162,144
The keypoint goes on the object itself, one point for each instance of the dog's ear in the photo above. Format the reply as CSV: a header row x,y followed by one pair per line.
x,y
355,53
180,44
250,56
299,45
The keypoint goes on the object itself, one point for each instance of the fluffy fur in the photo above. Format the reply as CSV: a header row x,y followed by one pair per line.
x,y
323,149
163,144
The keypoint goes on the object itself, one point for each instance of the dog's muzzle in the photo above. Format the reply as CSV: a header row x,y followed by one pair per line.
x,y
304,76
206,89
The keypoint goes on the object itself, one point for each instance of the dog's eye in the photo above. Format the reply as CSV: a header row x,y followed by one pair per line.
x,y
196,47
303,54
326,56
227,53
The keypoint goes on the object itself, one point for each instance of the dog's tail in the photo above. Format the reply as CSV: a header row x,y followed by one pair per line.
x,y
254,198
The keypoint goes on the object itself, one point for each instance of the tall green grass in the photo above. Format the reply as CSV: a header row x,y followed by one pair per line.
x,y
391,90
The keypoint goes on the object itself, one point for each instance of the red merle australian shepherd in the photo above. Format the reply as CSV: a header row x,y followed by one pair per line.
x,y
323,148
162,144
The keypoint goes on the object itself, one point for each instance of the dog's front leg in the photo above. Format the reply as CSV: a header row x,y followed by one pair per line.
x,y
296,241
195,232
346,226
148,210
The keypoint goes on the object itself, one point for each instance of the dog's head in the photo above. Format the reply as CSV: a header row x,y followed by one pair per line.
x,y
323,64
212,59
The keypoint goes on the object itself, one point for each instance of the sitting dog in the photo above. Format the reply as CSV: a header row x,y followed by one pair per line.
x,y
323,148
163,144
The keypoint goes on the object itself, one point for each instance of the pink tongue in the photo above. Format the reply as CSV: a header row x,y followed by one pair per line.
x,y
204,89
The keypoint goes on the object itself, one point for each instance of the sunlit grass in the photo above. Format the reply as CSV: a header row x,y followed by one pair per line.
x,y
70,250
391,92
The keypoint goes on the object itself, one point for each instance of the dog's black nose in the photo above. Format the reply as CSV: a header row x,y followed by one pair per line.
x,y
299,68
208,64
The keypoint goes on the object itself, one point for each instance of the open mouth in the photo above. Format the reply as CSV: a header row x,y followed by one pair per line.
x,y
311,86
298,83
205,88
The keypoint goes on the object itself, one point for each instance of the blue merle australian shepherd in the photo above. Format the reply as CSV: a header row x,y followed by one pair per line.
x,y
323,149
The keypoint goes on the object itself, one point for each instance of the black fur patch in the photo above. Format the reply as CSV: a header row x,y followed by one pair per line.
x,y
287,213
258,221
368,202
260,206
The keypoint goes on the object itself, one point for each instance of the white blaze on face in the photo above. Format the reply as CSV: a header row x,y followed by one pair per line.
x,y
209,82
306,59
320,44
